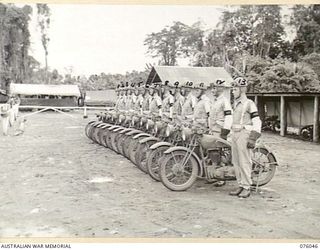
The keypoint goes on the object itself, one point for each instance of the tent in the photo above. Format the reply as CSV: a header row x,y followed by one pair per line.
x,y
196,75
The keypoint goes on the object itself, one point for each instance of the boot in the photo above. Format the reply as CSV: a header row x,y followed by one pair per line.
x,y
244,194
236,192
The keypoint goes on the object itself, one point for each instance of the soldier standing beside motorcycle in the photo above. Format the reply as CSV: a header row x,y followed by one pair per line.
x,y
220,121
130,97
202,108
179,100
221,111
168,101
155,104
246,129
123,97
190,102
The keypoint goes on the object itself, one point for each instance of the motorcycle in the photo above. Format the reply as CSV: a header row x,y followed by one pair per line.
x,y
271,123
207,154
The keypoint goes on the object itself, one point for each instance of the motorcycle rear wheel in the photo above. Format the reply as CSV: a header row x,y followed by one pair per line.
x,y
265,163
88,127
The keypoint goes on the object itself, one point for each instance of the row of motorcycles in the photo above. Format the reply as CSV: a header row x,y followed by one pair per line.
x,y
175,152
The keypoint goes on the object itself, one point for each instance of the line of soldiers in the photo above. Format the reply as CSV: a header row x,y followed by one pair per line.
x,y
205,107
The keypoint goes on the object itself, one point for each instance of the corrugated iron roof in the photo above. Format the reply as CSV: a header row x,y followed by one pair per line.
x,y
44,89
182,75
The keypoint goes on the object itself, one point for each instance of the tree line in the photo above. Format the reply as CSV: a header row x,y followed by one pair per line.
x,y
250,40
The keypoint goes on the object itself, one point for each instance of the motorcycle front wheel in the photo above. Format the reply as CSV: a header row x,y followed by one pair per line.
x,y
119,143
178,171
141,155
154,159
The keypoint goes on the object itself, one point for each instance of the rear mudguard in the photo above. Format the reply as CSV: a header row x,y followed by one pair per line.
x,y
148,139
134,132
161,144
179,148
262,146
141,135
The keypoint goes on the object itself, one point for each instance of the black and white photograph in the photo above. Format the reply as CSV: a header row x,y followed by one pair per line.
x,y
160,121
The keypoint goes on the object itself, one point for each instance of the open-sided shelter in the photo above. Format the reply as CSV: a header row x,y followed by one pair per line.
x,y
46,95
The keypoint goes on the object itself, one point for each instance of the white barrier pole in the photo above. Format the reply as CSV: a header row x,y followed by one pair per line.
x,y
85,112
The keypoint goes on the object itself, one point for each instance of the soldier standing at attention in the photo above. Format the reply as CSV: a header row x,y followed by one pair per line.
x,y
221,111
139,92
220,120
202,108
146,99
179,100
190,103
246,129
122,100
130,97
155,104
118,91
168,101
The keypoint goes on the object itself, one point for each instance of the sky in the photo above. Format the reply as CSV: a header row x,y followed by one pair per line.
x,y
90,39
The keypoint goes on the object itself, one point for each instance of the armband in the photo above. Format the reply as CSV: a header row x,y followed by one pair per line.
x,y
254,114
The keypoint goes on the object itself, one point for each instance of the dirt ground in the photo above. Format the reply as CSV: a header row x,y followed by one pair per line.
x,y
55,182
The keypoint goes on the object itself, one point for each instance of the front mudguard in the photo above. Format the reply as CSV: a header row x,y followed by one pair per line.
x,y
141,135
179,148
118,129
161,144
96,123
114,127
149,139
106,126
133,132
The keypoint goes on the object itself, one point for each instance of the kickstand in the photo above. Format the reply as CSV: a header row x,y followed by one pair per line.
x,y
257,185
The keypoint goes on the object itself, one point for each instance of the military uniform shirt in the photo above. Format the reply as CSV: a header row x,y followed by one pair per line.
x,y
122,103
220,108
146,102
246,110
178,104
138,102
155,103
167,103
129,102
189,105
202,108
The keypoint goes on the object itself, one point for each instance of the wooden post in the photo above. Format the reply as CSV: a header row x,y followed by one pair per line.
x,y
283,116
256,100
261,108
316,119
